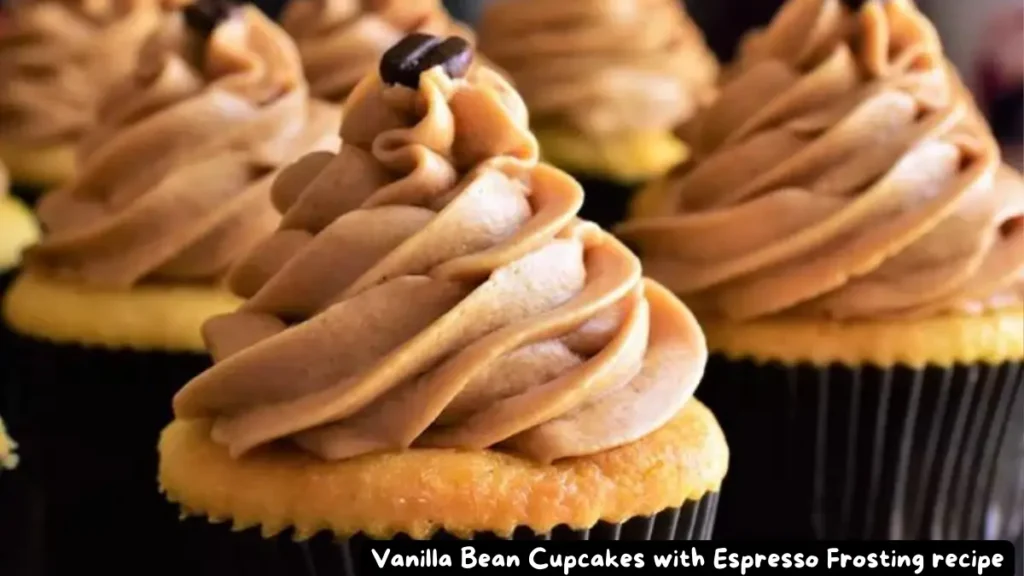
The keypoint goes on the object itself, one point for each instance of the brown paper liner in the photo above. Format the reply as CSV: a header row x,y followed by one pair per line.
x,y
844,452
216,550
87,422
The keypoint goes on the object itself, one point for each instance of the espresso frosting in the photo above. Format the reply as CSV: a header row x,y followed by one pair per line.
x,y
844,172
57,59
341,40
175,180
431,286
601,67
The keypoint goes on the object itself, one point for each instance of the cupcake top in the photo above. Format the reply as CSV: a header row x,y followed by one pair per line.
x,y
601,67
341,40
431,286
844,172
58,57
175,179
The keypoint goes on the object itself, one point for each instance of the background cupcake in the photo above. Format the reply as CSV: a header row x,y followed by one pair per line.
x,y
57,59
341,40
18,230
174,186
606,83
430,296
854,247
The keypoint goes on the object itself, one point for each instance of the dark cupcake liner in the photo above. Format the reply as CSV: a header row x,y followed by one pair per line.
x,y
5,354
605,202
87,421
216,550
850,453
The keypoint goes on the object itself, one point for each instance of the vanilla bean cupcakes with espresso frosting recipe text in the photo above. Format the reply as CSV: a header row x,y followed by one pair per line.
x,y
174,187
433,345
57,60
340,41
607,82
854,247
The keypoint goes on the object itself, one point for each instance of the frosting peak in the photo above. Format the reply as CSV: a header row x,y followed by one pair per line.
x,y
57,58
342,40
844,171
431,286
601,66
175,179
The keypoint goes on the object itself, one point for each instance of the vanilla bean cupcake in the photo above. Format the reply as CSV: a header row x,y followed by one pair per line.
x,y
854,247
342,40
18,230
174,188
433,345
57,59
607,82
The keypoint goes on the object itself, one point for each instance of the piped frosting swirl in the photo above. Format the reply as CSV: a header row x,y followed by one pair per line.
x,y
431,286
844,172
175,180
57,59
601,66
341,40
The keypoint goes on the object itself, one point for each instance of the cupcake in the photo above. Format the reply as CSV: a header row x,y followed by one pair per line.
x,y
606,84
57,59
174,188
341,40
8,458
434,346
854,248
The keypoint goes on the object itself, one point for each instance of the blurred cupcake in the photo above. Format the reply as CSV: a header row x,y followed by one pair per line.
x,y
854,248
18,230
606,83
57,59
8,457
174,187
434,345
342,40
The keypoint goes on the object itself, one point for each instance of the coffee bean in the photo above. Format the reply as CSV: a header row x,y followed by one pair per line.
x,y
203,16
417,53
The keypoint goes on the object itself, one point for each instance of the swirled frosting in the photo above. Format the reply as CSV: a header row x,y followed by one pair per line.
x,y
431,286
601,66
844,172
175,180
57,59
341,40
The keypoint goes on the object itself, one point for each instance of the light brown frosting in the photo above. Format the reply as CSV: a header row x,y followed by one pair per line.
x,y
175,181
431,286
601,66
843,172
342,40
57,59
